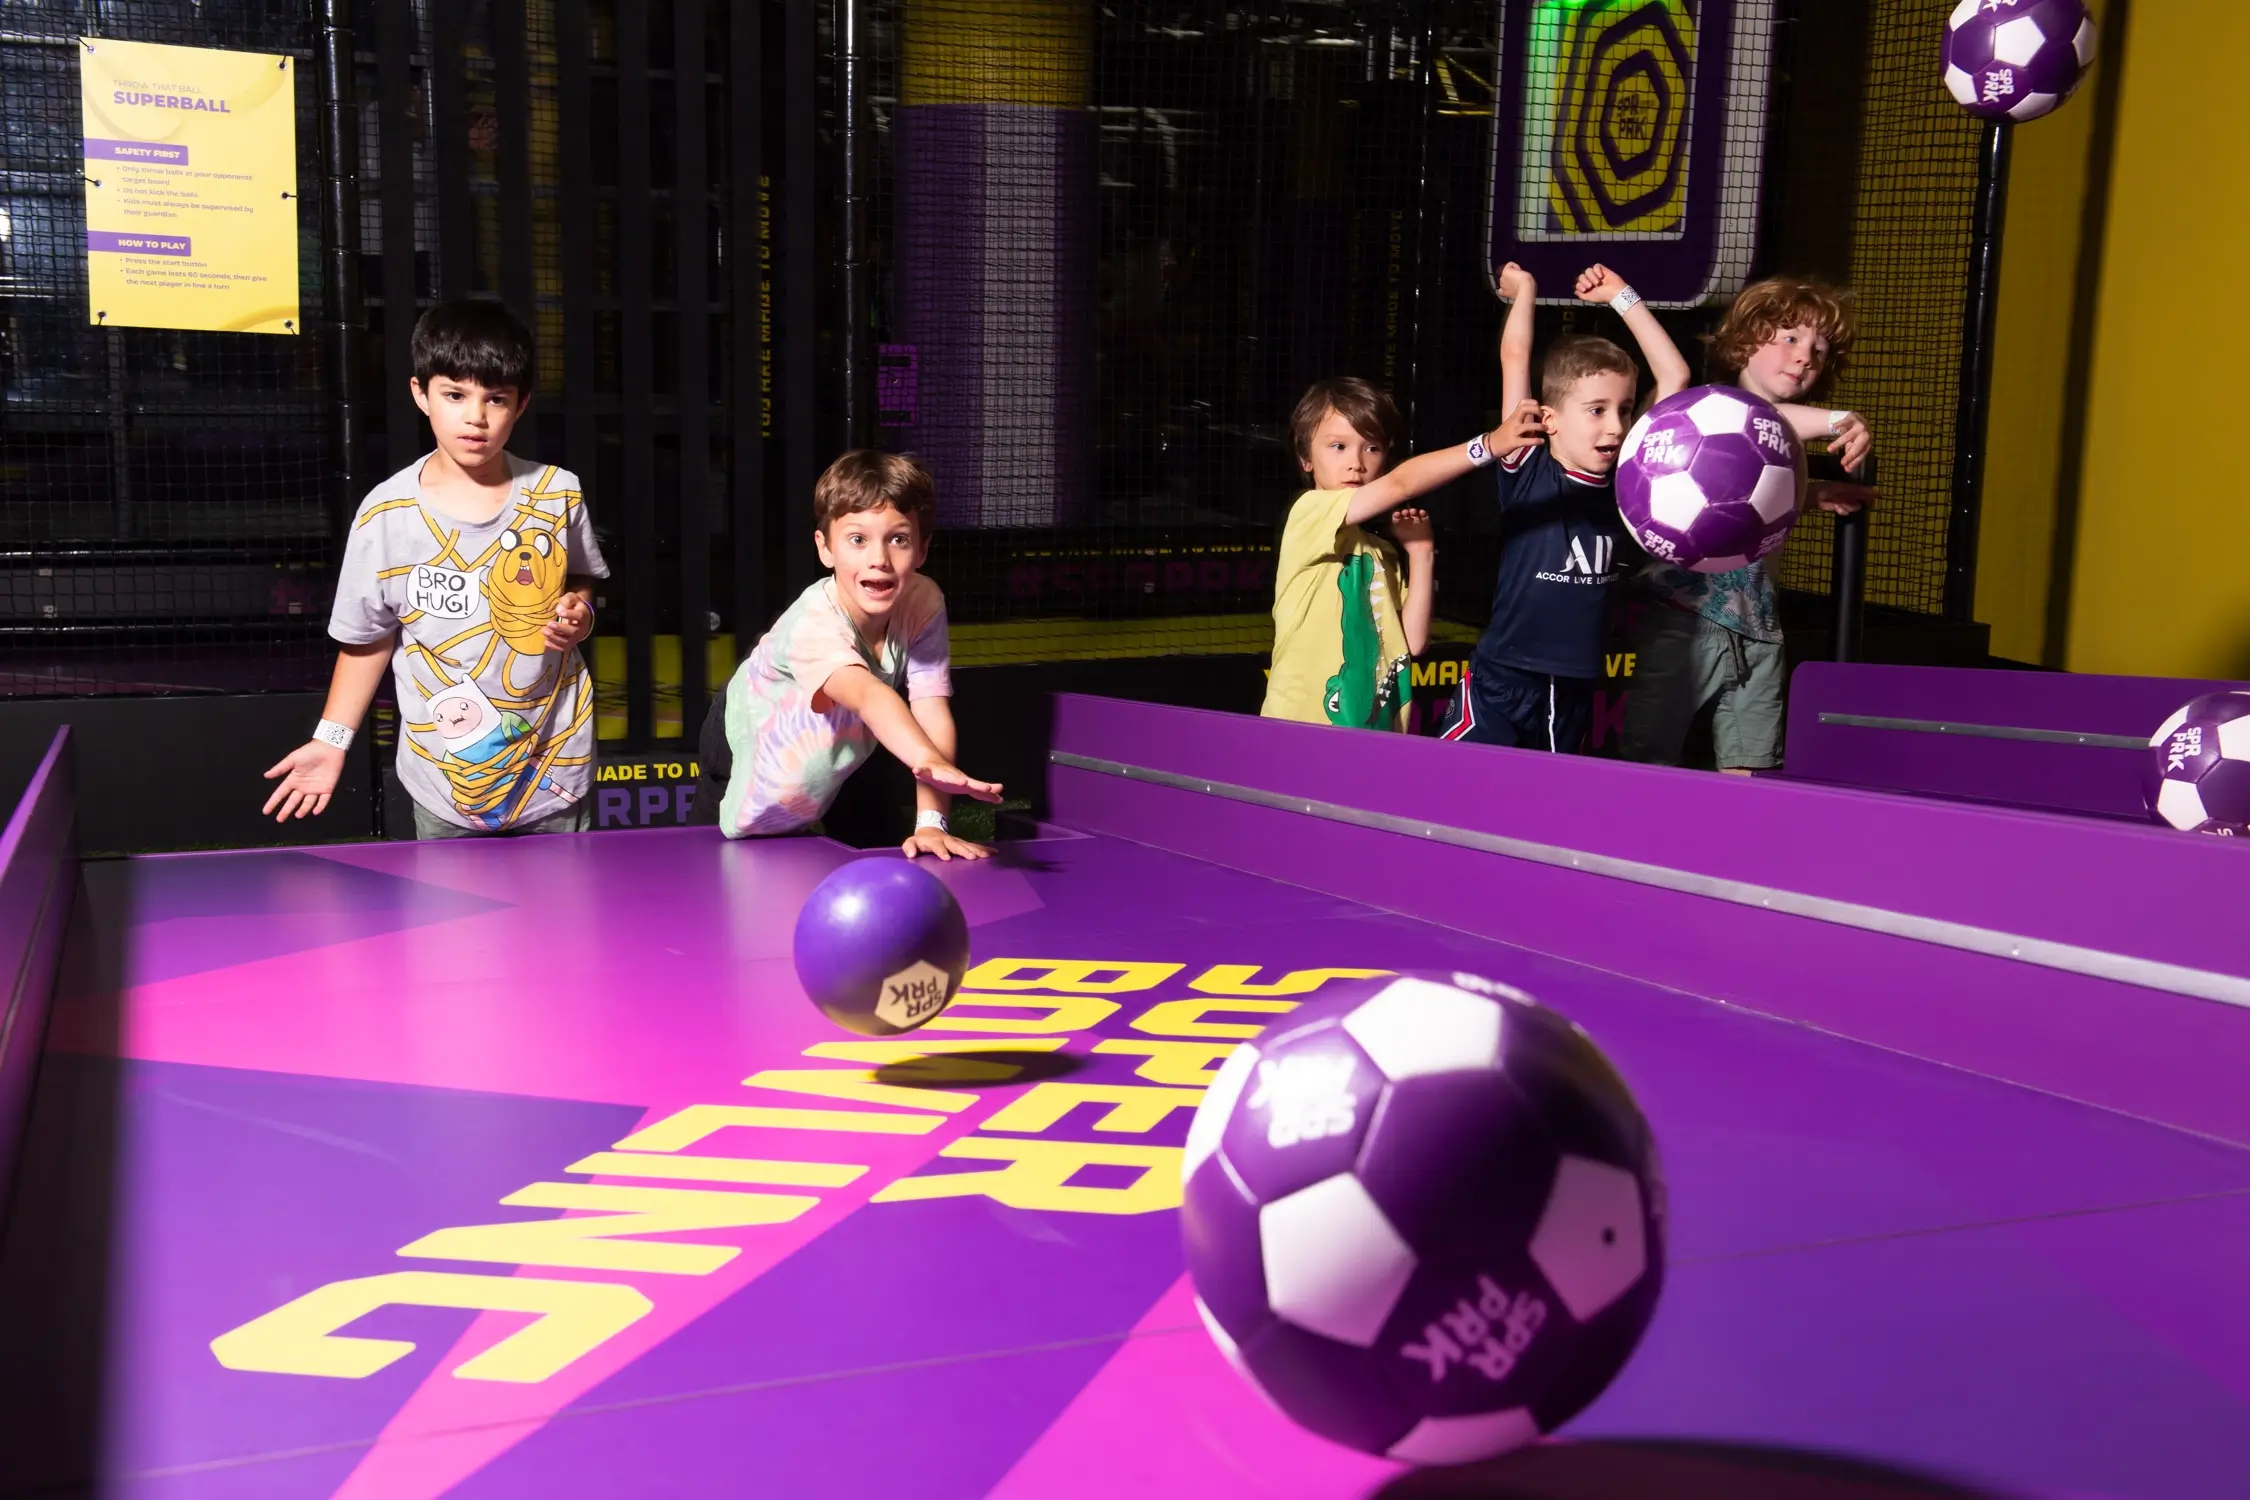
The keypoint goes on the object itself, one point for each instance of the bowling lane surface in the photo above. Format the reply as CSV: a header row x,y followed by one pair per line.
x,y
298,1105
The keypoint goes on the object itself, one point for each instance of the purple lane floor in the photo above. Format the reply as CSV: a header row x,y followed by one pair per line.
x,y
298,1109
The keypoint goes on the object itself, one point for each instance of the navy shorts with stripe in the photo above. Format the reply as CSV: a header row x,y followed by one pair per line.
x,y
1502,706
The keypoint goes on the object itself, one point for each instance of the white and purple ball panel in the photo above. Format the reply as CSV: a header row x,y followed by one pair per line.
x,y
2196,776
1422,1216
2017,59
1710,479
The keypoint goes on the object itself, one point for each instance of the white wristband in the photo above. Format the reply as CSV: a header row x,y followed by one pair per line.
x,y
1479,454
927,819
1837,419
332,733
1625,301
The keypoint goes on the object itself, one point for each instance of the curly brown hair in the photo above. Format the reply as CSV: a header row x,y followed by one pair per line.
x,y
1368,408
1763,308
869,479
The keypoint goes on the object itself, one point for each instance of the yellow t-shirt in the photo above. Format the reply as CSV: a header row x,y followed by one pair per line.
x,y
1308,608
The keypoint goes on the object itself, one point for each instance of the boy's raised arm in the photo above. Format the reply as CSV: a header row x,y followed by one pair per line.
x,y
1600,284
1522,294
896,730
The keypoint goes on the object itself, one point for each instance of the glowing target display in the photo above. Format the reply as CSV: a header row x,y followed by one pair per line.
x,y
1631,132
1620,85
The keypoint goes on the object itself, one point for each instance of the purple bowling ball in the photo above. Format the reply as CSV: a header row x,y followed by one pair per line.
x,y
2197,774
2017,59
881,946
1710,479
1424,1216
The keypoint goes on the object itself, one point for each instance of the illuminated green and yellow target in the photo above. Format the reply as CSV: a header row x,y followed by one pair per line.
x,y
1610,99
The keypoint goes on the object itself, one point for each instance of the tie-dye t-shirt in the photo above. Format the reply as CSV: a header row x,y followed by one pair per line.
x,y
790,759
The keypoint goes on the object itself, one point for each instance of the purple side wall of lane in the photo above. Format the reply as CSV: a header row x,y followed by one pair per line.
x,y
2143,891
35,890
2063,778
2158,1055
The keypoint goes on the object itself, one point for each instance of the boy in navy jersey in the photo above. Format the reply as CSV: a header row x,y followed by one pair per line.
x,y
1563,547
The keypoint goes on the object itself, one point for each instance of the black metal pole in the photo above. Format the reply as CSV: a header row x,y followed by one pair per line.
x,y
511,73
449,151
577,225
636,361
691,210
1425,123
402,247
339,237
1848,582
1978,311
855,360
797,291
749,319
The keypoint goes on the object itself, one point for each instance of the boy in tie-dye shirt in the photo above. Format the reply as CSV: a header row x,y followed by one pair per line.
x,y
859,659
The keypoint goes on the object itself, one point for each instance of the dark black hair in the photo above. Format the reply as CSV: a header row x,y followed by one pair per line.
x,y
474,340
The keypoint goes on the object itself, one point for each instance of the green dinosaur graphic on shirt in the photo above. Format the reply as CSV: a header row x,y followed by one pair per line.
x,y
1367,691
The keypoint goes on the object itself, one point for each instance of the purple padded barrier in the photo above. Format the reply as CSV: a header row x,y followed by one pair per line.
x,y
2129,890
2095,779
36,854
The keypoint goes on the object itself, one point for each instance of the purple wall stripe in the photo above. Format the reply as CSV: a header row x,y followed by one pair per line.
x,y
37,859
995,294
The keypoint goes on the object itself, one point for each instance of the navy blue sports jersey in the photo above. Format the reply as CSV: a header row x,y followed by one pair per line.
x,y
1562,544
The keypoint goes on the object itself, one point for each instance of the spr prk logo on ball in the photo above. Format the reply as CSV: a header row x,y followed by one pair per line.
x,y
1308,1098
2185,746
912,995
1487,1334
1773,436
1664,450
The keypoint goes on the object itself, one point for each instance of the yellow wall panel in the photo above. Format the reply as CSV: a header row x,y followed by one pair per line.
x,y
2161,584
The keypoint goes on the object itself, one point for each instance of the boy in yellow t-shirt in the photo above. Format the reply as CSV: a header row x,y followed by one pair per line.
x,y
1346,626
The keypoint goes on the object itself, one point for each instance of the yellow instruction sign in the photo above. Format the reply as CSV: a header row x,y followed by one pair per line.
x,y
191,183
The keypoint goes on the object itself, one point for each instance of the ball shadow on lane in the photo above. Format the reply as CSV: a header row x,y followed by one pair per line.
x,y
1673,1470
975,1070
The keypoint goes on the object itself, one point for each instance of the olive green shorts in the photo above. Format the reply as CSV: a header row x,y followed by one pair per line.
x,y
1684,664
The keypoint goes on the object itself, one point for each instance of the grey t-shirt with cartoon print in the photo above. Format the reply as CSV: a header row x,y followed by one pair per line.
x,y
495,729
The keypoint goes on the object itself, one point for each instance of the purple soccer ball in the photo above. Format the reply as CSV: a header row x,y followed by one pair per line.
x,y
1710,479
1424,1217
2017,59
2197,775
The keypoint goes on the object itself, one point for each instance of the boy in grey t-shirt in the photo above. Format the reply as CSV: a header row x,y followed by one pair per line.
x,y
469,573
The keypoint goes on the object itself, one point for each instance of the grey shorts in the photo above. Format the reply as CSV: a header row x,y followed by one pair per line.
x,y
1684,664
428,825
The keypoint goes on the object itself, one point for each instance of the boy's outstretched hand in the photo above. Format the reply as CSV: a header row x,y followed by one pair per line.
x,y
1520,429
1513,281
950,778
1598,283
942,844
1412,530
1850,441
308,779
